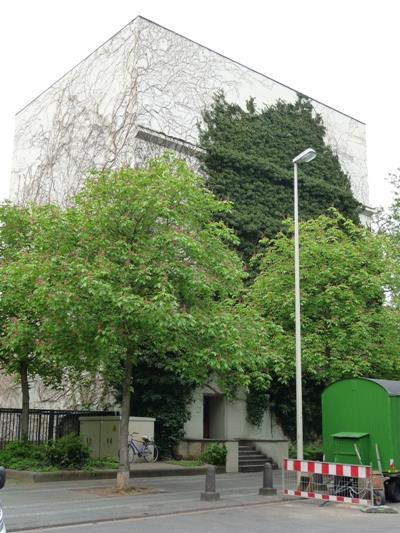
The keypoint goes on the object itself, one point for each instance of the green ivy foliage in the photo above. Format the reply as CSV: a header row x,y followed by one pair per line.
x,y
257,402
282,399
248,160
160,393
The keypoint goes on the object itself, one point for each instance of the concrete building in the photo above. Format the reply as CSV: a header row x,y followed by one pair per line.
x,y
142,91
137,94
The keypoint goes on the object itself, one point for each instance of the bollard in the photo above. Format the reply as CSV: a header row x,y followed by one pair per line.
x,y
210,495
268,485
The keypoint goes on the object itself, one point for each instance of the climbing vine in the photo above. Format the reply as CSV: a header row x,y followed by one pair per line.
x,y
248,160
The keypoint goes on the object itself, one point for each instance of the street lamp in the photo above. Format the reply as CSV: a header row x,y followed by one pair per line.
x,y
304,157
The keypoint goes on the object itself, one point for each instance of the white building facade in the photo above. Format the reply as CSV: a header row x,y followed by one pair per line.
x,y
143,91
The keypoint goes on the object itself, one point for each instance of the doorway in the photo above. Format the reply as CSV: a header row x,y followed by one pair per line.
x,y
213,416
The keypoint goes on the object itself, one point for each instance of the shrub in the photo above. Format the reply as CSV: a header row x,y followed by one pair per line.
x,y
23,455
68,452
311,452
215,454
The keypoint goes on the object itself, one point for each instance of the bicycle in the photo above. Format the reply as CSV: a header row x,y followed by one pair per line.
x,y
148,450
357,488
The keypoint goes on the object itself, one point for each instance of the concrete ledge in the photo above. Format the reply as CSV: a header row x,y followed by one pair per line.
x,y
76,475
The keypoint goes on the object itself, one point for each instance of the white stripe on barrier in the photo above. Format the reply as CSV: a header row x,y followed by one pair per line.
x,y
332,469
330,497
347,470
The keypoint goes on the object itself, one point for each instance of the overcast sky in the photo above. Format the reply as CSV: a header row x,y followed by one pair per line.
x,y
342,53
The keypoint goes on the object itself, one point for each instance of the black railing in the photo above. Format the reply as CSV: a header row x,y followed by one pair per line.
x,y
45,425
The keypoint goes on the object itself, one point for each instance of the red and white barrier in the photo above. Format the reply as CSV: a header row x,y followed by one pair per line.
x,y
328,481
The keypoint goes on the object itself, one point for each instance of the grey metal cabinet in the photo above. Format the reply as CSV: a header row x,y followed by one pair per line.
x,y
101,434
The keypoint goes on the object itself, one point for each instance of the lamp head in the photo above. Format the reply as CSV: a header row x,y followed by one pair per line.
x,y
306,156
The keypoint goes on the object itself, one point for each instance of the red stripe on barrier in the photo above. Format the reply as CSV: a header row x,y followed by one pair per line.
x,y
285,491
355,500
340,498
295,465
325,496
311,494
297,492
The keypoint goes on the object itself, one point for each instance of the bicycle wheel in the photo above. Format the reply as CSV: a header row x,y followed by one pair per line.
x,y
131,455
150,453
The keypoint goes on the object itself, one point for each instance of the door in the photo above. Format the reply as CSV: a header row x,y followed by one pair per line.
x,y
206,416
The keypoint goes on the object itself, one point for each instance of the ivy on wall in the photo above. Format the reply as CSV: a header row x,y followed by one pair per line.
x,y
161,394
248,160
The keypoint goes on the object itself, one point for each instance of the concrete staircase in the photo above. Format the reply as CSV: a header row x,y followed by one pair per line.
x,y
250,460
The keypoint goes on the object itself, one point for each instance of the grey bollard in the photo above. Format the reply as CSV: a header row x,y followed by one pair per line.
x,y
210,495
268,485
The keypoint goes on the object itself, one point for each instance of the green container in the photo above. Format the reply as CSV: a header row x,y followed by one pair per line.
x,y
361,423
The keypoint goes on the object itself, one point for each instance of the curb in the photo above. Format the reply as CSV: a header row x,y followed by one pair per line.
x,y
79,475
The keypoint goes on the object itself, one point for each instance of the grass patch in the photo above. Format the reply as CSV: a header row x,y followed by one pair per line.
x,y
188,463
101,464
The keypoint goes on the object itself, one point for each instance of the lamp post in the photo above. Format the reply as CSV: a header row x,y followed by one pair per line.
x,y
304,157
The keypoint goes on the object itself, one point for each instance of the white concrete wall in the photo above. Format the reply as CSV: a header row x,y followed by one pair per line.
x,y
193,428
144,77
239,428
89,392
231,418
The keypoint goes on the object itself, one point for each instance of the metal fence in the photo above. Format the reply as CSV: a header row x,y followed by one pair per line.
x,y
328,481
45,425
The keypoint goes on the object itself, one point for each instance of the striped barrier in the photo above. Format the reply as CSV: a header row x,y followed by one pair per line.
x,y
328,481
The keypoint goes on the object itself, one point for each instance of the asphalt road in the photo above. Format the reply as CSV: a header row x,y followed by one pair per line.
x,y
298,516
59,503
175,505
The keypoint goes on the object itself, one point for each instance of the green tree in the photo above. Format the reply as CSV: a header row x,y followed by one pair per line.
x,y
387,225
248,160
21,306
149,269
347,327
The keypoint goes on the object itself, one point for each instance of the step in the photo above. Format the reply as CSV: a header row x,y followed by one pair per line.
x,y
247,452
259,465
262,460
251,468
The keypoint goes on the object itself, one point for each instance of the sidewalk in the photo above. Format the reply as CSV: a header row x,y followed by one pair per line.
x,y
63,503
137,470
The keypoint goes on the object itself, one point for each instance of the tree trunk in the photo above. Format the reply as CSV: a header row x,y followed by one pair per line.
x,y
123,470
23,370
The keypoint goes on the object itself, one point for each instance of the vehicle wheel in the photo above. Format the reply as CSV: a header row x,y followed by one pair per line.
x,y
150,454
379,497
393,489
